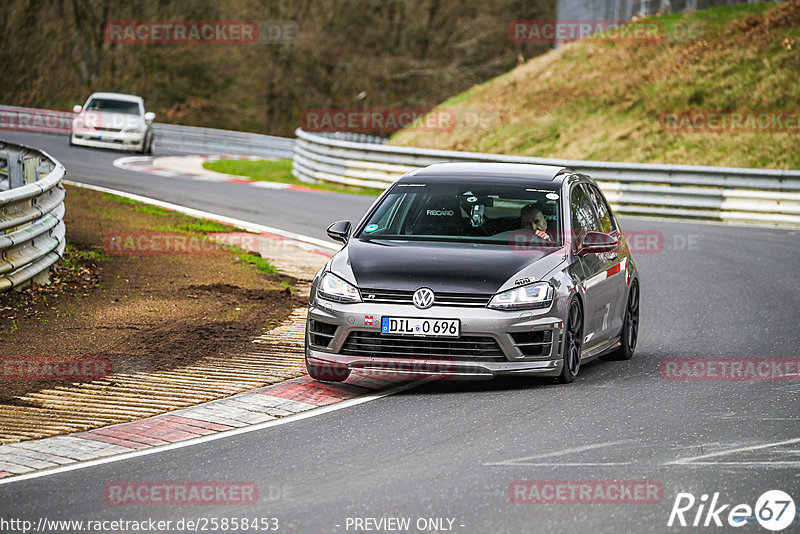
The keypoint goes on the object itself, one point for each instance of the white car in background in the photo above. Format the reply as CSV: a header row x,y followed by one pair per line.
x,y
113,120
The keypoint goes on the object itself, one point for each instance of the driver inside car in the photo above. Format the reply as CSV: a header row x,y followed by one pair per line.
x,y
532,218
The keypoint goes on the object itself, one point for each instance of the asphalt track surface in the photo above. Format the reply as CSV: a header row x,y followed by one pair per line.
x,y
451,449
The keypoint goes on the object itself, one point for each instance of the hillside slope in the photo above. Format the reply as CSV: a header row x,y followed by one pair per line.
x,y
598,99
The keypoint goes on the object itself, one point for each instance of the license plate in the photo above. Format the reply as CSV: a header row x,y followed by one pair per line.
x,y
420,327
99,137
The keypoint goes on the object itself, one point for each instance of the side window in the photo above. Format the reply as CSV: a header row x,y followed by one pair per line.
x,y
583,217
603,211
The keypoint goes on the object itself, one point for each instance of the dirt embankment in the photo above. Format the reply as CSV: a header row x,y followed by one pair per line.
x,y
143,312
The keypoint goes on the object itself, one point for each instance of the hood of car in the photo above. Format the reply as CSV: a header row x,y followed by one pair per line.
x,y
447,267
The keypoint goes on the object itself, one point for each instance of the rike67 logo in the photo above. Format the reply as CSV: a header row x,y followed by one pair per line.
x,y
774,510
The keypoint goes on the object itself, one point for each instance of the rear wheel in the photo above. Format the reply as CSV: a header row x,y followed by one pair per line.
x,y
629,334
573,343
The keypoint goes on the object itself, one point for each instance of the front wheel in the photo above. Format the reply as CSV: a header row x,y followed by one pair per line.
x,y
573,343
630,328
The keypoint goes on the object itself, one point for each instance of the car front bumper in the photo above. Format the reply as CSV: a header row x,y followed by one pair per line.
x,y
118,140
509,356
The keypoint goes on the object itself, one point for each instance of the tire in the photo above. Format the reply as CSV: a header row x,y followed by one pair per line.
x,y
70,140
573,343
150,145
629,334
327,373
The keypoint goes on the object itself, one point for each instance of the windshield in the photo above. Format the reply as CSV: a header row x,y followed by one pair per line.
x,y
471,212
113,106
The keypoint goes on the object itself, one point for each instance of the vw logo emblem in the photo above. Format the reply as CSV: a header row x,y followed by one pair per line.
x,y
423,298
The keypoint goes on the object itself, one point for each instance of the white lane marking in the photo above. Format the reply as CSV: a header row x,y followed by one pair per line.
x,y
693,459
244,225
764,463
213,437
527,459
563,464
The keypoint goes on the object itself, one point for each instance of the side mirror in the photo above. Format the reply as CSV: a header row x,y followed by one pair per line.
x,y
76,108
149,117
598,243
339,231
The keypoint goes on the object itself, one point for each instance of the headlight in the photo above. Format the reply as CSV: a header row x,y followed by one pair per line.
x,y
331,287
538,295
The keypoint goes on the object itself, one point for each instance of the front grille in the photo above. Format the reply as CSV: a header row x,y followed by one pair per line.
x,y
373,344
390,296
533,343
104,129
321,334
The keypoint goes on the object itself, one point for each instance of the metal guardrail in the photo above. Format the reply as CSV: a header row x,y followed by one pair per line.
x,y
712,193
210,140
170,136
32,231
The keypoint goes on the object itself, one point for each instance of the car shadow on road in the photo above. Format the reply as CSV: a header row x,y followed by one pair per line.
x,y
590,372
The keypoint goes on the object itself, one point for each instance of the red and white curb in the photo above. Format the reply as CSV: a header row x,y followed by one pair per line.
x,y
191,168
242,410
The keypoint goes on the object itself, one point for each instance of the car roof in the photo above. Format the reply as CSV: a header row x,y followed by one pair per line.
x,y
117,96
509,171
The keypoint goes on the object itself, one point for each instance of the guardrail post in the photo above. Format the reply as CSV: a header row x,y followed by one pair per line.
x,y
30,173
15,172
41,279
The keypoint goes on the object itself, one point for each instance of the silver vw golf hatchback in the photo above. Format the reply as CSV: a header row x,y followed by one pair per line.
x,y
472,270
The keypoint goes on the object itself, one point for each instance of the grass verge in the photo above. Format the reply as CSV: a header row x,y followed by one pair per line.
x,y
279,171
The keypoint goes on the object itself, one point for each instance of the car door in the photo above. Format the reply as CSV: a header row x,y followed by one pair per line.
x,y
617,280
598,287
